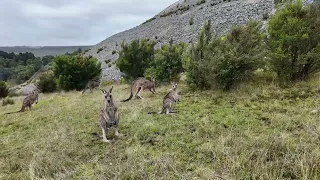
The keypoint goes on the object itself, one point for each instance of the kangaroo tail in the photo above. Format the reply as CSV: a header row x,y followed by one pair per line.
x,y
14,112
131,95
85,88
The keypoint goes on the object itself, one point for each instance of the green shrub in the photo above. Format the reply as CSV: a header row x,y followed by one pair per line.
x,y
167,63
3,89
201,2
107,61
223,62
7,101
73,72
47,82
149,20
135,58
294,42
99,50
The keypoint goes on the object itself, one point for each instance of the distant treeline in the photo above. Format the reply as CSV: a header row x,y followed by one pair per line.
x,y
18,68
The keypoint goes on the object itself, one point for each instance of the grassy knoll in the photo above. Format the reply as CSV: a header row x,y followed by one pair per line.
x,y
251,133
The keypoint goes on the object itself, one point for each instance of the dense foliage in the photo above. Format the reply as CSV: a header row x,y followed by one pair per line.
x,y
3,89
136,57
73,72
19,67
222,62
294,41
47,82
167,62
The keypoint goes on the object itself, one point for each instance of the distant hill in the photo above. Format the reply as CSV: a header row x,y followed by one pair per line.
x,y
41,51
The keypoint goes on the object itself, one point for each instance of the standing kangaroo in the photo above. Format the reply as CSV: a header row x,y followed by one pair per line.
x,y
141,84
91,84
171,98
109,116
28,101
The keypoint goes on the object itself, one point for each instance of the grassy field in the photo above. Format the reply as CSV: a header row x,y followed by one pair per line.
x,y
251,133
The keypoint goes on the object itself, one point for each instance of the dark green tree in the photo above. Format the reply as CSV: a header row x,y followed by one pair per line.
x,y
294,41
222,62
3,89
167,63
135,58
73,72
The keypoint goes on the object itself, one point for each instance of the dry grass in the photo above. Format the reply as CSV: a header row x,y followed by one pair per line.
x,y
253,133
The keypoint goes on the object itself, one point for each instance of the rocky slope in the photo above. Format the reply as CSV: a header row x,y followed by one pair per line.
x,y
174,22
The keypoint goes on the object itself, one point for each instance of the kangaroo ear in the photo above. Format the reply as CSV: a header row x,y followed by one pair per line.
x,y
103,91
111,89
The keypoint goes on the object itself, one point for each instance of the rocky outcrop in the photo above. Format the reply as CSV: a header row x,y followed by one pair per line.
x,y
175,23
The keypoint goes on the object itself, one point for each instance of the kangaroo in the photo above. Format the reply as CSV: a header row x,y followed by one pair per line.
x,y
141,84
171,98
91,84
28,101
109,116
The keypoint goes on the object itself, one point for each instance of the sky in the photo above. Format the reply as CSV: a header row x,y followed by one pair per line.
x,y
71,22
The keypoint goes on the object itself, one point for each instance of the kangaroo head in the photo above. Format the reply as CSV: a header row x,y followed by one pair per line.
x,y
108,96
174,85
35,95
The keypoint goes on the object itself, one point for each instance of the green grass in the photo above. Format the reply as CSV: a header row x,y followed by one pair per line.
x,y
251,133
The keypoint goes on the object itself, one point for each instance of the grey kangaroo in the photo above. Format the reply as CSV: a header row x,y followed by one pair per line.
x,y
109,115
141,84
171,98
28,101
91,84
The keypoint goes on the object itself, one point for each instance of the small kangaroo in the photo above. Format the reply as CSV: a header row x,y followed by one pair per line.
x,y
109,116
171,98
28,101
141,84
91,84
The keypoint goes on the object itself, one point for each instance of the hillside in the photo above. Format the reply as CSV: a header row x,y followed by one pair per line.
x,y
256,132
174,22
43,50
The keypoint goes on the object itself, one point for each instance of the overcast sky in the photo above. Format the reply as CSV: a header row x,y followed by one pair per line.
x,y
71,22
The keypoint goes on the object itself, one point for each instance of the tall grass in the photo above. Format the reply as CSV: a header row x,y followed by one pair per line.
x,y
254,132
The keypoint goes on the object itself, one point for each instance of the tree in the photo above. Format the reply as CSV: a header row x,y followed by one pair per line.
x,y
222,62
167,63
47,82
135,58
193,57
3,89
294,41
73,72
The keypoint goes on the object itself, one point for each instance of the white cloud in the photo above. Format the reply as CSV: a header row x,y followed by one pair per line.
x,y
72,22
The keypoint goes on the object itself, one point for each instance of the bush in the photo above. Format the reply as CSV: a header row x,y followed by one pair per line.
x,y
7,101
4,91
294,42
201,2
47,82
149,20
135,58
73,72
107,61
99,50
222,62
114,52
167,63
